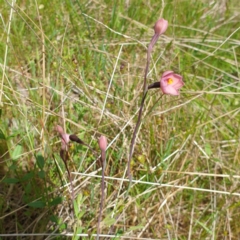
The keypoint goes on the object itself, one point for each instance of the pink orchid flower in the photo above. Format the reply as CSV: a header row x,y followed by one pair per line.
x,y
171,82
65,138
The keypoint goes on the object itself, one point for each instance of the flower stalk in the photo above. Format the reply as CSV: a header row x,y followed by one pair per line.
x,y
159,28
102,142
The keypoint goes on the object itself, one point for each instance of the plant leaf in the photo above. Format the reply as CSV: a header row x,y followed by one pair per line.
x,y
41,174
40,160
2,136
17,152
10,180
37,204
56,201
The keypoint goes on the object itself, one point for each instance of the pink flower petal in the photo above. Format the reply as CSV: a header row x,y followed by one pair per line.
x,y
170,90
166,73
102,142
160,26
64,137
171,82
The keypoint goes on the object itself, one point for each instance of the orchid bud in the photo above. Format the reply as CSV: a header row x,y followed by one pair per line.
x,y
102,142
160,26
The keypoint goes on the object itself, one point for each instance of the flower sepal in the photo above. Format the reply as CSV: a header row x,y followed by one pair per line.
x,y
154,85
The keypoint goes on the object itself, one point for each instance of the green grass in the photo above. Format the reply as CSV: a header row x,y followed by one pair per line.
x,y
88,77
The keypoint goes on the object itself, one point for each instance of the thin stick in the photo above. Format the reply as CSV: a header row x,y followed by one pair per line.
x,y
43,77
165,184
6,51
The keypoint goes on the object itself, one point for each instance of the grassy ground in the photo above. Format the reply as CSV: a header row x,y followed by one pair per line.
x,y
80,64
